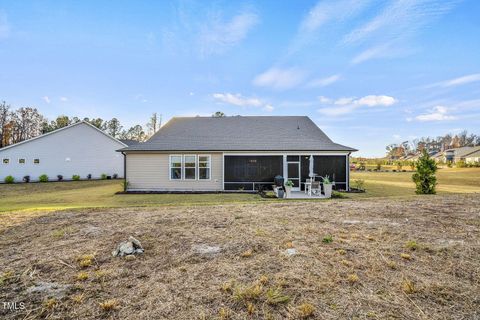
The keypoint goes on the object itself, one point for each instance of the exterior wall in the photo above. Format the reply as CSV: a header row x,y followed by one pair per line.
x,y
472,159
151,172
79,149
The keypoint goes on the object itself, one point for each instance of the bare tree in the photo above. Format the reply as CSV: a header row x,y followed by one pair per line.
x,y
154,124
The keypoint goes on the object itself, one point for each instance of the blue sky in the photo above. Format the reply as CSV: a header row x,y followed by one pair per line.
x,y
369,73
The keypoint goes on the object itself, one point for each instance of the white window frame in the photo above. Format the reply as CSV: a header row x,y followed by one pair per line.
x,y
8,161
209,167
34,161
24,161
195,167
170,166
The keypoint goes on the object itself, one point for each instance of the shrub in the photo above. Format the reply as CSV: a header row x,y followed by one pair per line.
x,y
43,178
425,178
103,176
26,179
306,310
327,239
449,164
379,166
9,179
115,176
460,164
75,177
399,165
59,177
275,296
412,245
89,176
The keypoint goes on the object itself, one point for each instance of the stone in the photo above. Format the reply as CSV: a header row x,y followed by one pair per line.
x,y
50,289
291,252
130,257
129,247
206,250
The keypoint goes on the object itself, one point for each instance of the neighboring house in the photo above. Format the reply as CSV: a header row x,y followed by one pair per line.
x,y
459,154
79,149
233,153
473,157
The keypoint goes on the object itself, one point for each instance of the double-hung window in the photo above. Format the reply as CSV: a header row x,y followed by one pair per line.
x,y
190,162
203,167
190,167
176,167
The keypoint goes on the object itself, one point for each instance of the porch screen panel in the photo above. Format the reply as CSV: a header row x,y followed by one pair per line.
x,y
249,169
333,166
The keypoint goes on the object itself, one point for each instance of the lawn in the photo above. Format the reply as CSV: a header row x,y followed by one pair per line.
x,y
390,258
87,194
399,184
91,194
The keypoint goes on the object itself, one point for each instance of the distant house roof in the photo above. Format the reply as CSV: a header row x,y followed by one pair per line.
x,y
464,151
474,154
129,142
239,133
60,130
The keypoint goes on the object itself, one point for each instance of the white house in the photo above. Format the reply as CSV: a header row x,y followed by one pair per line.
x,y
79,149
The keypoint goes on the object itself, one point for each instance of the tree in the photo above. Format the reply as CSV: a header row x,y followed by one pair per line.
x,y
134,133
97,122
218,114
154,124
4,122
114,128
26,124
425,178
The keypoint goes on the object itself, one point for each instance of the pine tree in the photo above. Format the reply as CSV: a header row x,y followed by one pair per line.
x,y
425,178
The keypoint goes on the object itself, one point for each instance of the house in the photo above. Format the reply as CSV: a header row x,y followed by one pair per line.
x,y
473,157
234,153
79,149
459,154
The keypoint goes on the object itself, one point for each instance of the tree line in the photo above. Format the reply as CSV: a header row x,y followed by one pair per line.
x,y
437,144
17,125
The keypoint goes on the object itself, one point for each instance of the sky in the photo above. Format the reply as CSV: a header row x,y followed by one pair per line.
x,y
368,73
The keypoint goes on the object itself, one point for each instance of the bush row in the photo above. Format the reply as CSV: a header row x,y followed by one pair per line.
x,y
45,178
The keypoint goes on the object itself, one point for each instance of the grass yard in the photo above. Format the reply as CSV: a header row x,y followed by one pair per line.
x,y
92,194
391,258
399,184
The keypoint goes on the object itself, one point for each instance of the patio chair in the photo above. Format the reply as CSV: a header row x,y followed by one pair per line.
x,y
316,189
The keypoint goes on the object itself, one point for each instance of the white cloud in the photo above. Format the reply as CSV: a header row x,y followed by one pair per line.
x,y
63,99
457,81
4,26
323,82
280,78
438,113
374,101
241,101
347,105
216,36
387,34
46,99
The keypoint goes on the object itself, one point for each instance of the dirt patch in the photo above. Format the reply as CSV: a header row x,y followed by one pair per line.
x,y
403,259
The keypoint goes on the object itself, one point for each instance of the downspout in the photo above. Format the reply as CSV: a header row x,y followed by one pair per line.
x,y
124,172
348,171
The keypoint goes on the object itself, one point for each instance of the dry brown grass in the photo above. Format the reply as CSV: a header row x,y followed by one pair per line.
x,y
172,280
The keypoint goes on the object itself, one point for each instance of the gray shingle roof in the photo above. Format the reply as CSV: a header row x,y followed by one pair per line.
x,y
239,133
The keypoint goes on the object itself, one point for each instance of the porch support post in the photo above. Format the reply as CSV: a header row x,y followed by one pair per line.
x,y
285,168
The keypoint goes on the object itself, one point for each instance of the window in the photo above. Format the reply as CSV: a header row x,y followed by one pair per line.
x,y
193,167
6,161
36,161
175,167
204,167
190,163
21,160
